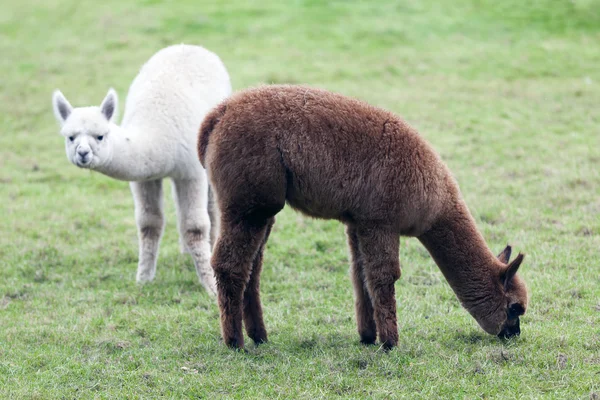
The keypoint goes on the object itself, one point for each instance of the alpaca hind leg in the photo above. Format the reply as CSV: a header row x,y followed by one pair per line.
x,y
213,213
250,183
382,270
367,328
253,316
150,220
194,225
234,253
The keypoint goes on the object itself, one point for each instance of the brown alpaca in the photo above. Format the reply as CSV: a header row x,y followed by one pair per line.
x,y
333,157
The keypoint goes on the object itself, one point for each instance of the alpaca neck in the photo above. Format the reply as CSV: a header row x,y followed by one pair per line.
x,y
132,157
462,255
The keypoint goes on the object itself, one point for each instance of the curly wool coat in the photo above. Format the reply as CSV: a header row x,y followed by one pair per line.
x,y
334,157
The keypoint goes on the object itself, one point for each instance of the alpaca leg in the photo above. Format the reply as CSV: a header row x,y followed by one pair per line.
x,y
150,221
213,213
235,250
364,306
194,224
182,246
253,316
382,270
251,184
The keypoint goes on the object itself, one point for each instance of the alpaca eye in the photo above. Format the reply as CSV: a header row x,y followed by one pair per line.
x,y
100,138
71,138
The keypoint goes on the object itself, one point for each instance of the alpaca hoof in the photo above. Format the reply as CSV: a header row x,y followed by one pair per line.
x,y
144,278
259,337
241,350
236,344
368,340
388,345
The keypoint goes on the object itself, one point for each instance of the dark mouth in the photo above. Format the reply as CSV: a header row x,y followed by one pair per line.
x,y
510,331
85,162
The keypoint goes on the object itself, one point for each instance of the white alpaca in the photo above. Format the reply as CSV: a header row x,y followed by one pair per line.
x,y
166,104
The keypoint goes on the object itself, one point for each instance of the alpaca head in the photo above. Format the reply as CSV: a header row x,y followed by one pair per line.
x,y
87,130
500,315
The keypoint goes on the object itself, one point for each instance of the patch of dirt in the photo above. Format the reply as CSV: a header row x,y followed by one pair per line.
x,y
576,294
4,302
122,345
579,183
478,369
561,361
585,231
593,360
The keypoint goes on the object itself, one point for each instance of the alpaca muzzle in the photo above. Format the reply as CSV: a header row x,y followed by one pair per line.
x,y
510,329
83,156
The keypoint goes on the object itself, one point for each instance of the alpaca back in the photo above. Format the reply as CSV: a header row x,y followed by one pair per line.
x,y
168,100
342,158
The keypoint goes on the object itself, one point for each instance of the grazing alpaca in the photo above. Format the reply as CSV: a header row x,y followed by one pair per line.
x,y
333,157
157,139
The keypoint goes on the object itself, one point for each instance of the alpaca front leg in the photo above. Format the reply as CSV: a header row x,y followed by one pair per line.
x,y
150,221
235,250
253,315
382,270
365,321
194,226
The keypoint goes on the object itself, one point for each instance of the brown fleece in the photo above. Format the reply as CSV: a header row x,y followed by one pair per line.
x,y
364,305
334,157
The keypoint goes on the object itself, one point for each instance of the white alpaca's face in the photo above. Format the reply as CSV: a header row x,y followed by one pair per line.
x,y
86,130
86,134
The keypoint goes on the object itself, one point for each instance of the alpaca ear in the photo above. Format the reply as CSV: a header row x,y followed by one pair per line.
x,y
61,107
504,256
511,270
109,105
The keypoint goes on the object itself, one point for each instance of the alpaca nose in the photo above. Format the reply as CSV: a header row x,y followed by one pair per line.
x,y
83,152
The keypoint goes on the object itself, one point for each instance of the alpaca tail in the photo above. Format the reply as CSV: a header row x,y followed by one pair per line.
x,y
208,125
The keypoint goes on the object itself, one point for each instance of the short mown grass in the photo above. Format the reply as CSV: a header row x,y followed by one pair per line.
x,y
508,92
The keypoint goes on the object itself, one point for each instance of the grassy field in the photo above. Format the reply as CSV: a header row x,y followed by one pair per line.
x,y
508,92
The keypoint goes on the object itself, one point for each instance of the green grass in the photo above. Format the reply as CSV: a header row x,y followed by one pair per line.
x,y
508,92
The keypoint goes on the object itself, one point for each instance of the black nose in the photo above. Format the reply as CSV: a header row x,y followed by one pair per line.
x,y
510,331
83,153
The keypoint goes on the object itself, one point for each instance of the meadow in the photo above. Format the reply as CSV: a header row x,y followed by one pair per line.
x,y
508,93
